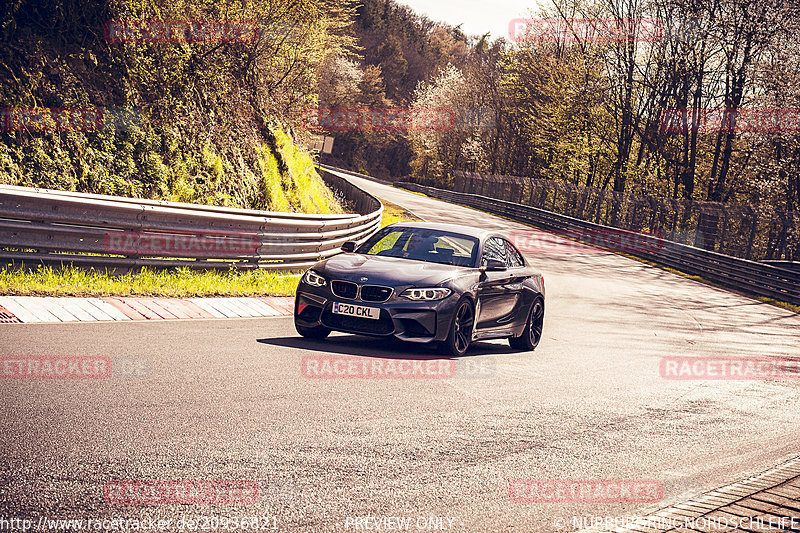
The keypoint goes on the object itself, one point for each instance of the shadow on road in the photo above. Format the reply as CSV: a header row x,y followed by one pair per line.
x,y
382,348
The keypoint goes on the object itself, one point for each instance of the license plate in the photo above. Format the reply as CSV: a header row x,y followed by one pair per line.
x,y
356,310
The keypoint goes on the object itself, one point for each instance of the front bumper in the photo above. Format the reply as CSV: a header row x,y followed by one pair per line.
x,y
421,322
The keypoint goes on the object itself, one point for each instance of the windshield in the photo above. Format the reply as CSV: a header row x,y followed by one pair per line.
x,y
432,246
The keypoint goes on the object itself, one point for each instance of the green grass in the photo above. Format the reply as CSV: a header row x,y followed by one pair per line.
x,y
394,213
179,283
149,161
415,192
782,305
302,185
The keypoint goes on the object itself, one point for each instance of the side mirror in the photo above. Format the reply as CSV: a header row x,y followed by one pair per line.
x,y
349,247
495,265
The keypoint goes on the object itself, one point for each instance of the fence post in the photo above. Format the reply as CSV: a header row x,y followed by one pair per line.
x,y
723,229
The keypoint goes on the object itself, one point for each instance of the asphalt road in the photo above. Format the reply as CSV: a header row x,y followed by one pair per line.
x,y
227,400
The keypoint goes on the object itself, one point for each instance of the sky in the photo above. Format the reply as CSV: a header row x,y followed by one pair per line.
x,y
477,16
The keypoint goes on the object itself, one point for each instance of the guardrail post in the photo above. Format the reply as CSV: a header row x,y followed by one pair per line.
x,y
753,218
723,232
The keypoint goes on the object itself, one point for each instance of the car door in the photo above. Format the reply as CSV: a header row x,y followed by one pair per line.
x,y
519,273
498,292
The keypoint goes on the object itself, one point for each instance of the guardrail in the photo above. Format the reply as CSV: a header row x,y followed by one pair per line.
x,y
794,266
109,231
749,276
747,231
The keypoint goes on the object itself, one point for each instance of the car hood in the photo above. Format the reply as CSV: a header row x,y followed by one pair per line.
x,y
388,271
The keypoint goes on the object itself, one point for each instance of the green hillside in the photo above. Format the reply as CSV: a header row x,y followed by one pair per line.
x,y
189,119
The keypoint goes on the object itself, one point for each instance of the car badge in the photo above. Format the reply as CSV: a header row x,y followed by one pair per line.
x,y
364,279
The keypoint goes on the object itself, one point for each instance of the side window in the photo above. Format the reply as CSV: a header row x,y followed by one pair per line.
x,y
514,257
494,249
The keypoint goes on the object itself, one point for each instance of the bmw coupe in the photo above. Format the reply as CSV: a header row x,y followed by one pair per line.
x,y
425,283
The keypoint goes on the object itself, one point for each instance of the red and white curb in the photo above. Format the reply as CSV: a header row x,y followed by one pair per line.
x,y
33,309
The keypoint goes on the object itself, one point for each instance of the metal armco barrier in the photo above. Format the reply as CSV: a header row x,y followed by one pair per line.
x,y
53,226
741,230
756,278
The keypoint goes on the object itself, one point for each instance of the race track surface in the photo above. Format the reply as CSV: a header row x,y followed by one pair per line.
x,y
228,400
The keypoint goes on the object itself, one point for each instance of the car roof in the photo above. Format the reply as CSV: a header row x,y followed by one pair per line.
x,y
452,228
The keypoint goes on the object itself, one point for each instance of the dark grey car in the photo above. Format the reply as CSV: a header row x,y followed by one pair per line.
x,y
424,283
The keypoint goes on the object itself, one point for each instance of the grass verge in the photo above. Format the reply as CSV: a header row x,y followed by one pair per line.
x,y
782,305
393,213
178,283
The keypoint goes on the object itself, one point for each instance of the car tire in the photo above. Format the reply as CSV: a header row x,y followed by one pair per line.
x,y
316,333
461,328
532,334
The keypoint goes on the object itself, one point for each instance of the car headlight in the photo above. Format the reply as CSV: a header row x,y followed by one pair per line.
x,y
314,279
427,294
